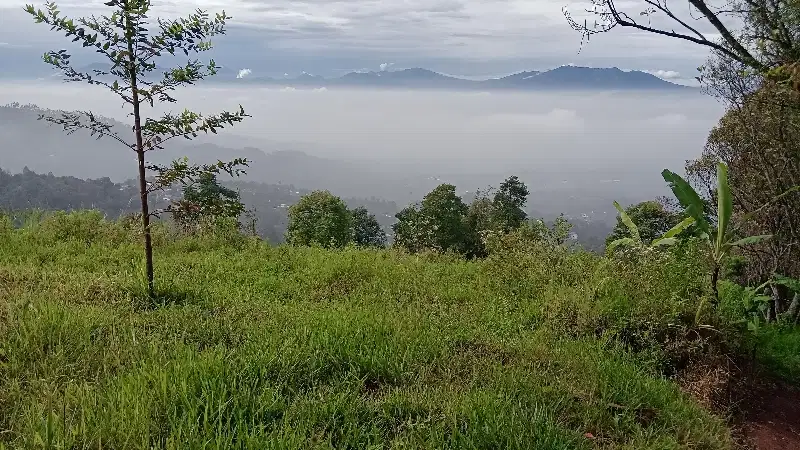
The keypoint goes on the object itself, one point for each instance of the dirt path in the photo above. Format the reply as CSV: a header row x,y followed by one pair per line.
x,y
774,423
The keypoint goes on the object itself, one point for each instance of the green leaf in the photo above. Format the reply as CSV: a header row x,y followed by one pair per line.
x,y
664,241
687,196
750,240
791,283
677,229
724,203
625,242
632,228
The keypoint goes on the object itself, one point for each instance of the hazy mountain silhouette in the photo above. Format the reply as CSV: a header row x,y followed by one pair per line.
x,y
561,78
45,148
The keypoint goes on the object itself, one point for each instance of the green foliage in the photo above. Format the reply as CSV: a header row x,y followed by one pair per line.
x,y
206,201
444,223
651,221
509,203
533,235
319,218
131,45
6,225
443,211
437,224
410,233
367,232
753,140
689,199
126,40
727,237
294,347
659,227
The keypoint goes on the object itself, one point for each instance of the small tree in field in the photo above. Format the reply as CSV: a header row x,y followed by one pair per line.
x,y
367,232
509,202
132,43
320,218
204,201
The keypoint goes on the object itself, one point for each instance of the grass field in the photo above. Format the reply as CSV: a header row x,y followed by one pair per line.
x,y
248,346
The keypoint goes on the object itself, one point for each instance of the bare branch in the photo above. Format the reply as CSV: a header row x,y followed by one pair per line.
x,y
610,17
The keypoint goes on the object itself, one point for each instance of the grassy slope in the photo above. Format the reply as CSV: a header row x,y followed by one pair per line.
x,y
257,347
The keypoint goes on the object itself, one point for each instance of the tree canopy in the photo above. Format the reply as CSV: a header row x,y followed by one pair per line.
x,y
319,218
367,232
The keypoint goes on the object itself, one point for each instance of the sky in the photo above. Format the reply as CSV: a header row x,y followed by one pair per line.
x,y
471,38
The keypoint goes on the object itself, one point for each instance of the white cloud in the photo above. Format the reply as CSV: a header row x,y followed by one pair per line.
x,y
665,74
385,66
243,73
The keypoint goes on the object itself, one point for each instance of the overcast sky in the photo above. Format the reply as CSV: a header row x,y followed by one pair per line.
x,y
330,37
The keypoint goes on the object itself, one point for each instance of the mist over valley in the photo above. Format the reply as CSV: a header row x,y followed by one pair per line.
x,y
576,150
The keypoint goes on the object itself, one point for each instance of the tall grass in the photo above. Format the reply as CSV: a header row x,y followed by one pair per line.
x,y
250,346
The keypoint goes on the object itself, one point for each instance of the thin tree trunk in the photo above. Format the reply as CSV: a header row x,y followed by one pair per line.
x,y
793,312
137,129
779,294
771,312
714,282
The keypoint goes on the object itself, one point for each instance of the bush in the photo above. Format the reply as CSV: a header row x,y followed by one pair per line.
x,y
6,225
82,226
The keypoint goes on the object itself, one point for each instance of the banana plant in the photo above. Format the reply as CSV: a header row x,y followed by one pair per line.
x,y
722,240
635,240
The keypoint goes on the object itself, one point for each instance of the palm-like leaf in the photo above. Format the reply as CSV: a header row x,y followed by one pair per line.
x,y
750,240
624,242
664,241
669,237
688,197
632,228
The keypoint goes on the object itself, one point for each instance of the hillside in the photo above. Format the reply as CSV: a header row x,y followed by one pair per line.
x,y
250,345
44,148
268,202
247,345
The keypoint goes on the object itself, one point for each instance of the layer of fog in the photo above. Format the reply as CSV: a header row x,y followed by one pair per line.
x,y
578,139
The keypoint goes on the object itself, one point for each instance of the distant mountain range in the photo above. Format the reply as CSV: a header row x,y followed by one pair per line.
x,y
561,78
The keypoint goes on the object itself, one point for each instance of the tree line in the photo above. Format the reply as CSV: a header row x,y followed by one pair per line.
x,y
442,222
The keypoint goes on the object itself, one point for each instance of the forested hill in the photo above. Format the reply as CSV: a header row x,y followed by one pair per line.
x,y
269,202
